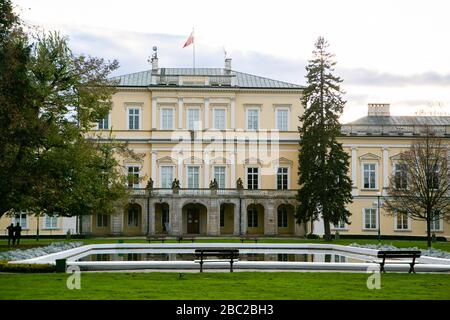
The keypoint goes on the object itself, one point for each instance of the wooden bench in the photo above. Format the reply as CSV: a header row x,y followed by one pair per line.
x,y
250,238
405,254
156,238
186,237
222,254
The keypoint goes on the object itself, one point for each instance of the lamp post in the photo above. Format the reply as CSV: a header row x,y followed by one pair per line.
x,y
378,214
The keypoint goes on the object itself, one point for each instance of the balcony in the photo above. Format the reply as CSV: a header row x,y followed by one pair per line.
x,y
225,193
392,130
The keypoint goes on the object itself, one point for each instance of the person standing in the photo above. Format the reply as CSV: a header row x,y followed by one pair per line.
x,y
17,233
10,229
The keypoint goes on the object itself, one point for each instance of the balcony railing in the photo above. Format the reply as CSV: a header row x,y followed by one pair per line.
x,y
206,192
393,130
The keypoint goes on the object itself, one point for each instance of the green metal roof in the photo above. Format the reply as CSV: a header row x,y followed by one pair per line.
x,y
243,80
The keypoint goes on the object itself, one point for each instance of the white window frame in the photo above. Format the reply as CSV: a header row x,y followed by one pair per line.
x,y
199,176
188,109
109,122
376,176
394,171
225,173
441,225
23,225
364,219
54,222
138,185
161,117
246,177
214,118
97,220
277,109
396,228
258,110
161,176
128,117
339,227
288,177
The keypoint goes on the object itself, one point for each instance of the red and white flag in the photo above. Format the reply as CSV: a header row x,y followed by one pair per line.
x,y
190,40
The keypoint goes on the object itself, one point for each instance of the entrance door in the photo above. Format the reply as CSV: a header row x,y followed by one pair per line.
x,y
193,221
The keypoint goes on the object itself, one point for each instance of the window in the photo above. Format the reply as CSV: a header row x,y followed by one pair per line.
x,y
103,124
21,218
167,119
220,119
436,225
133,118
193,118
219,175
282,178
282,119
166,176
369,175
222,217
282,217
252,119
434,177
252,178
133,216
370,218
50,222
252,216
339,225
193,177
401,221
133,177
165,218
400,176
102,221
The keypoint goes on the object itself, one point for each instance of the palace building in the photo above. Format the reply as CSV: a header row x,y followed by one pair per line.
x,y
229,140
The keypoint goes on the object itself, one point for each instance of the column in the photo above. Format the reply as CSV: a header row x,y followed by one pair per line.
x,y
232,156
206,122
154,169
354,171
176,223
153,113
213,222
385,170
151,222
117,223
244,219
180,113
236,220
269,219
180,167
233,113
206,169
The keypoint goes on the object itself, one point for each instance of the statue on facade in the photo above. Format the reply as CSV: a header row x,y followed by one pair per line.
x,y
239,184
149,184
213,184
175,184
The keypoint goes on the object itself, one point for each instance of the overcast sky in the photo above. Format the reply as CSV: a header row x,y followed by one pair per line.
x,y
394,52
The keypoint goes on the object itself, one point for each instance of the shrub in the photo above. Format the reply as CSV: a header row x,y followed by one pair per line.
x,y
312,236
26,268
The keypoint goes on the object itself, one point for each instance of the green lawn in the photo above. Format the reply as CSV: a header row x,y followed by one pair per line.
x,y
238,285
28,243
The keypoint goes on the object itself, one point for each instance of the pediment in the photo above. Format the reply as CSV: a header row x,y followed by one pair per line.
x,y
252,161
282,161
220,160
396,157
369,156
166,159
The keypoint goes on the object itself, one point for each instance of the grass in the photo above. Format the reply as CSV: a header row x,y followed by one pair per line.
x,y
225,286
30,243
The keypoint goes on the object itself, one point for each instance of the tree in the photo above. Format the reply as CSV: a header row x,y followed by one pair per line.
x,y
420,186
324,186
49,99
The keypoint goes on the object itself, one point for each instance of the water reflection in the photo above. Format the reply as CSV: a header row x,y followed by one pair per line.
x,y
284,257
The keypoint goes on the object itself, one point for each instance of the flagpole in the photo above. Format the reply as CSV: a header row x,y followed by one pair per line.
x,y
193,49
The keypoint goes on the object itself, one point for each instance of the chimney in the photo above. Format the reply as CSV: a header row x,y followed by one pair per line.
x,y
227,65
378,110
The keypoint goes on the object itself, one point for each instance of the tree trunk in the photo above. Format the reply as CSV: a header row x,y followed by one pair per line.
x,y
327,235
429,230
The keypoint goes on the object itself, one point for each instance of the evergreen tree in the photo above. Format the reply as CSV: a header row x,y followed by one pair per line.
x,y
324,185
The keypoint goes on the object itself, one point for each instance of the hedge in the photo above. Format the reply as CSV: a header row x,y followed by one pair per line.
x,y
26,268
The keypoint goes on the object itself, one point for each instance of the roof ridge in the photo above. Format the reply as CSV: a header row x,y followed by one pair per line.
x,y
254,75
129,74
